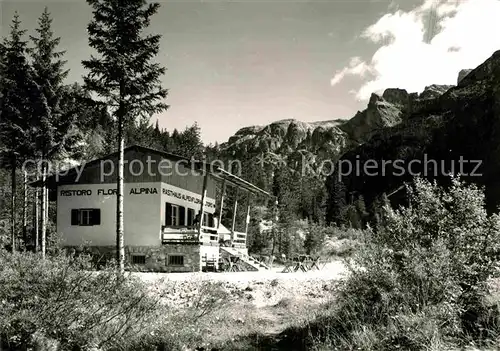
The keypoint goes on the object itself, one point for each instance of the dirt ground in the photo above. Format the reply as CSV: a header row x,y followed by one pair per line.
x,y
263,288
247,303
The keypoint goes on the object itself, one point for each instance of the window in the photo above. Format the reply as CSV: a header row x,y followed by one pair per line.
x,y
86,216
175,215
191,216
138,259
176,260
208,220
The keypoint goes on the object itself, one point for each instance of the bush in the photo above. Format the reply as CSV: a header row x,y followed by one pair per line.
x,y
421,277
59,299
341,242
315,238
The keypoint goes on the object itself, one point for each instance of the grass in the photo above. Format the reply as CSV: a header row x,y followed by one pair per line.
x,y
254,315
260,327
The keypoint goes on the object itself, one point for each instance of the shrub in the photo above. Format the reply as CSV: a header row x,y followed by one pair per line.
x,y
315,238
421,277
59,299
340,241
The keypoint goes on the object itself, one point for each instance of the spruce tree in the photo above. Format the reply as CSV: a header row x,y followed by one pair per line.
x,y
190,144
56,117
124,75
94,126
336,200
157,128
361,209
20,98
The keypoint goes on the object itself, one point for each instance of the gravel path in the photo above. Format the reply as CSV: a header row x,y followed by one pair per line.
x,y
265,288
332,271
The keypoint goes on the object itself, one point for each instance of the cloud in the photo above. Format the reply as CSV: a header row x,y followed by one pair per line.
x,y
427,45
356,67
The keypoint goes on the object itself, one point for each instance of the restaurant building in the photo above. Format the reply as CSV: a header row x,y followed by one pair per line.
x,y
164,195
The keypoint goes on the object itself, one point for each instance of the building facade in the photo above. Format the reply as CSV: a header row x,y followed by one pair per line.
x,y
169,206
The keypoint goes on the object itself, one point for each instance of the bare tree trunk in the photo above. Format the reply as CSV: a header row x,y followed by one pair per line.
x,y
25,207
274,241
13,204
36,219
274,221
43,210
120,249
47,206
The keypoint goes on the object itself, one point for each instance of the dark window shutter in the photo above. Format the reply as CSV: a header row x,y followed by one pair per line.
x,y
168,214
182,215
210,220
74,217
96,216
190,216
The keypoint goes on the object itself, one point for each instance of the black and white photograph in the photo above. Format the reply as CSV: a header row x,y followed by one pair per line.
x,y
240,175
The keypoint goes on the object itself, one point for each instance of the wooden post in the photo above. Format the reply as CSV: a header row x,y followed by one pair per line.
x,y
248,216
203,199
235,208
222,194
248,212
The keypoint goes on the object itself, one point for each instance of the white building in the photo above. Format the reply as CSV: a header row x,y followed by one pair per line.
x,y
163,195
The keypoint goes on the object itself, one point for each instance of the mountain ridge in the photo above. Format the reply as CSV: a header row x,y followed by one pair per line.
x,y
445,121
332,137
460,128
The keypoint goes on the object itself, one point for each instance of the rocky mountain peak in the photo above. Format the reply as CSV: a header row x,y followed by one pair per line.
x,y
385,113
396,96
374,98
489,70
434,91
462,74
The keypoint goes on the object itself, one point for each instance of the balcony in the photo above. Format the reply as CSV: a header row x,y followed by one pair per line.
x,y
208,235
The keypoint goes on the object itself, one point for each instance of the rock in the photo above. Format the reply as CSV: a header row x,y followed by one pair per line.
x,y
283,138
374,98
379,114
434,91
486,72
396,96
462,74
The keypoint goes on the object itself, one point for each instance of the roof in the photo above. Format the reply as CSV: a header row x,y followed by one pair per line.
x,y
223,229
214,170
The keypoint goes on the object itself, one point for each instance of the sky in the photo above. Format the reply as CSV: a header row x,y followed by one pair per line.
x,y
232,64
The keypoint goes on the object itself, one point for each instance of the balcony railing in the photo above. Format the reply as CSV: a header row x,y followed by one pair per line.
x,y
208,235
176,234
239,239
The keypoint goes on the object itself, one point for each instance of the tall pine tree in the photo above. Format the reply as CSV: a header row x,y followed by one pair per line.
x,y
124,75
190,144
337,203
54,120
20,98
